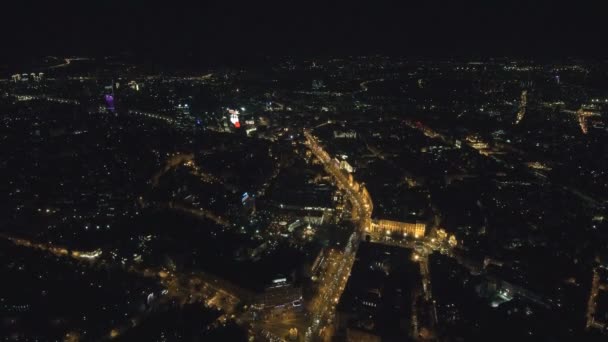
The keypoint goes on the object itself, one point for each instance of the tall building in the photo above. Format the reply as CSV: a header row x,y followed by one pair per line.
x,y
184,119
248,202
234,117
109,98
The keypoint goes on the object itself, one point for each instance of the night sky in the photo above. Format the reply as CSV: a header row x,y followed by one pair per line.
x,y
423,28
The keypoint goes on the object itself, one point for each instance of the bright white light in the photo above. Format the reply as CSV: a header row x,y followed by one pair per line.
x,y
91,255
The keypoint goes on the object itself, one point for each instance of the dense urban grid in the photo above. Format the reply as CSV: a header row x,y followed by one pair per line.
x,y
304,199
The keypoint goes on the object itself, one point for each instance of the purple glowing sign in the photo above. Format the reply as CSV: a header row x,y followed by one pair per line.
x,y
110,102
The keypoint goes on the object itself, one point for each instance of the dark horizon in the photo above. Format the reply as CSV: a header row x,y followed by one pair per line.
x,y
517,29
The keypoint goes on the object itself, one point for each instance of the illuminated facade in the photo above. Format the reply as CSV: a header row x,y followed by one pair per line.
x,y
280,293
234,117
414,229
344,165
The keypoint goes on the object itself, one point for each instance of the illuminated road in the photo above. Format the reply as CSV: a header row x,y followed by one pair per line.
x,y
181,288
55,250
336,276
26,97
171,163
591,304
214,292
151,115
199,212
187,160
333,280
596,287
362,205
364,87
522,107
68,61
582,116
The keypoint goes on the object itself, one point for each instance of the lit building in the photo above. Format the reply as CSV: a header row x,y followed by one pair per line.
x,y
248,202
416,229
344,165
280,293
345,134
234,117
134,85
183,118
